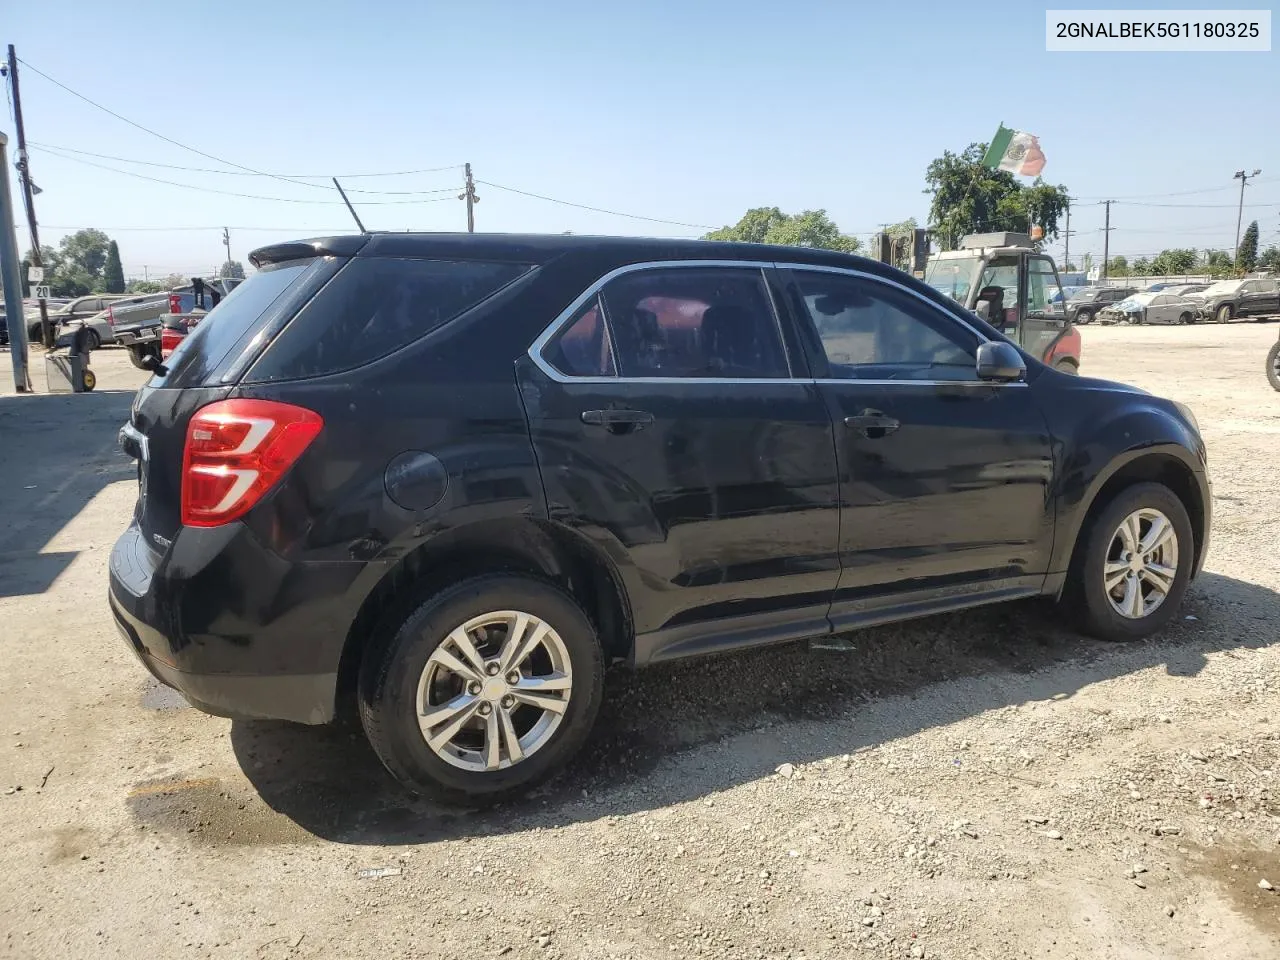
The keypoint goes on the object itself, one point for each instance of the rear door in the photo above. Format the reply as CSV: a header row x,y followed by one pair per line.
x,y
944,480
673,424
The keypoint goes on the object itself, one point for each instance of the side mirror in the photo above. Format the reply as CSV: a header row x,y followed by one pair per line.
x,y
151,363
1000,362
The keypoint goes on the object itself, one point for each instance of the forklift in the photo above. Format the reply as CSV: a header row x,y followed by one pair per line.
x,y
1006,281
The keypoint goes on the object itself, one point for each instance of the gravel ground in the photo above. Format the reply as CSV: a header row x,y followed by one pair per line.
x,y
983,786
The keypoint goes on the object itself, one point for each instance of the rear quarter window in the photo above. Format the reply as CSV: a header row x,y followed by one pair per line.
x,y
375,306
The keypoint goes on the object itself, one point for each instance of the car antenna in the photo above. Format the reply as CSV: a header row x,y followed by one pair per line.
x,y
354,216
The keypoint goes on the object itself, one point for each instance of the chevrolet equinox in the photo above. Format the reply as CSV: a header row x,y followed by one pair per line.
x,y
456,475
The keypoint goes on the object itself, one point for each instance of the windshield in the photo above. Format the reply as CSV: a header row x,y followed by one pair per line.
x,y
953,277
1222,286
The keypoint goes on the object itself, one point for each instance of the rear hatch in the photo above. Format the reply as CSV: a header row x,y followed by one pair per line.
x,y
202,370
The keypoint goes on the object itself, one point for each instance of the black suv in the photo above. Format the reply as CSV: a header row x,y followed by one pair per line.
x,y
457,475
1085,303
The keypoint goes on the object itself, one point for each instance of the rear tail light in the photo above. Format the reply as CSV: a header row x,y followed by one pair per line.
x,y
169,340
175,303
236,451
111,316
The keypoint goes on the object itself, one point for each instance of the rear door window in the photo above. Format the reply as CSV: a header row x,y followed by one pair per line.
x,y
373,307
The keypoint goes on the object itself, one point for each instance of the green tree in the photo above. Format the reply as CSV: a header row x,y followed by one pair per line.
x,y
1247,257
971,198
86,250
1140,268
1270,259
1117,267
112,271
231,269
1087,265
810,228
144,286
1172,262
1217,263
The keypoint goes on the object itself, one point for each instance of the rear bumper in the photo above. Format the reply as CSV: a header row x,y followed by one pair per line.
x,y
236,629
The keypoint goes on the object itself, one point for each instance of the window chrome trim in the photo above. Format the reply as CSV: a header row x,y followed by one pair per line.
x,y
595,289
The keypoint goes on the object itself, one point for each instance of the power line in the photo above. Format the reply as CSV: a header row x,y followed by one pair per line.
x,y
176,143
247,173
583,206
229,193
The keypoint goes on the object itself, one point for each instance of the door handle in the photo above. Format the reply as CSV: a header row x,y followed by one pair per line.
x,y
872,425
617,421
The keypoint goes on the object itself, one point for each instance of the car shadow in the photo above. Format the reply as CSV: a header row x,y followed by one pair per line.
x,y
800,703
60,450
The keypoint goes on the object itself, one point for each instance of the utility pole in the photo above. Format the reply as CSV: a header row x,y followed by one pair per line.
x,y
12,277
28,193
1239,175
1066,252
226,242
469,195
1106,240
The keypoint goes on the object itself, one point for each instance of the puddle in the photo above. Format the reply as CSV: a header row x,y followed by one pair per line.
x,y
1237,871
210,812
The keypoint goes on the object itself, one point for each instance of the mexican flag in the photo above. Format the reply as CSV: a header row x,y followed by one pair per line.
x,y
1015,151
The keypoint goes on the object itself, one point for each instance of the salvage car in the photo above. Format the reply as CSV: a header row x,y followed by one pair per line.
x,y
1228,299
1150,308
453,476
1083,305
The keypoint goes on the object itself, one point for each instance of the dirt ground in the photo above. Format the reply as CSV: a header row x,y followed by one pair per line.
x,y
982,786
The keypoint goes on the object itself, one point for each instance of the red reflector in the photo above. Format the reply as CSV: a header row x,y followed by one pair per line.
x,y
175,303
236,451
169,340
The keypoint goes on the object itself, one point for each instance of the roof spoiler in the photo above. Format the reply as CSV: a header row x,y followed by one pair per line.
x,y
301,249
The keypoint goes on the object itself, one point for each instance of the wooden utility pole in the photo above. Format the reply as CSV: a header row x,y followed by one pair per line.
x,y
1106,241
469,195
28,194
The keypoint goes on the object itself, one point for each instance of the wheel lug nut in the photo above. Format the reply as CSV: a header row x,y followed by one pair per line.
x,y
513,677
491,669
508,702
473,687
485,709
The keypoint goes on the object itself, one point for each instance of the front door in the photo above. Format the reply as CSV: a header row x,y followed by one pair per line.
x,y
944,479
669,429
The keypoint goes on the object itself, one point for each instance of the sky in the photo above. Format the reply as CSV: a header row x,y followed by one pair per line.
x,y
687,112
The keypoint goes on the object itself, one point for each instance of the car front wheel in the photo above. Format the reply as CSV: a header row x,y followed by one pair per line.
x,y
1224,313
1134,565
484,690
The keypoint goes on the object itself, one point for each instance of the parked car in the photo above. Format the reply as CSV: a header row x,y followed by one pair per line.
x,y
176,326
456,475
1227,299
1150,308
80,308
99,325
1085,303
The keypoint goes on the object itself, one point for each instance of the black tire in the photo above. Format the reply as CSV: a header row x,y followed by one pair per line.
x,y
94,341
1084,316
1273,365
393,663
90,380
1224,313
137,353
1184,318
1085,596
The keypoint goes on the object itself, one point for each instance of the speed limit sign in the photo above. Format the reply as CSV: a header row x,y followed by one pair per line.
x,y
42,293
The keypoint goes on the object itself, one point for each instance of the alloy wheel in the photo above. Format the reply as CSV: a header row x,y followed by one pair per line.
x,y
1141,564
495,691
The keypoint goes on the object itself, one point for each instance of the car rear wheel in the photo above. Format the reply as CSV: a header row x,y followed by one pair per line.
x,y
1184,318
1224,313
1084,316
1273,366
94,340
138,354
1133,566
484,690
